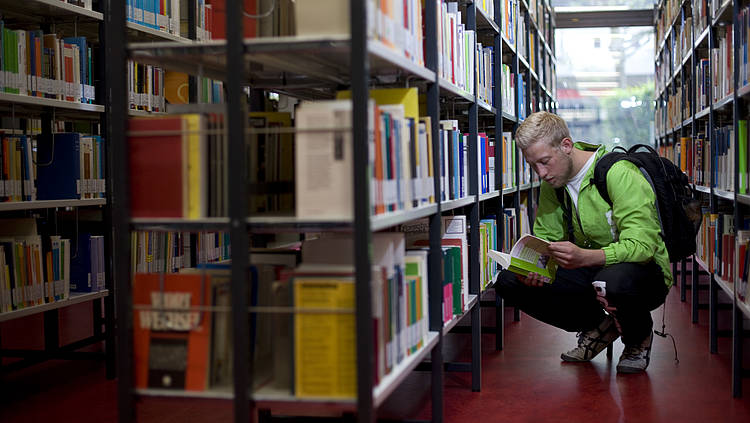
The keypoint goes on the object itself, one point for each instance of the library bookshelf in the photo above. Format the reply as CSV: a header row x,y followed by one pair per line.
x,y
701,123
33,104
316,67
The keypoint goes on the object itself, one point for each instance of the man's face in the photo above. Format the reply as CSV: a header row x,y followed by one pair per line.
x,y
551,163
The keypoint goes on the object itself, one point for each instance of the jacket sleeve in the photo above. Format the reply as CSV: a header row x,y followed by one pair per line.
x,y
549,216
634,213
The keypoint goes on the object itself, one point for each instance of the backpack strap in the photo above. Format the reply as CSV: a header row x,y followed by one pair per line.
x,y
602,168
562,197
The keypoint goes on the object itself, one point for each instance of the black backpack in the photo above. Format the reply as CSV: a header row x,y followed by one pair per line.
x,y
679,211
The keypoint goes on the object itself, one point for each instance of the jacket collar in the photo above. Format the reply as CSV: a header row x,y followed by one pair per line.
x,y
600,150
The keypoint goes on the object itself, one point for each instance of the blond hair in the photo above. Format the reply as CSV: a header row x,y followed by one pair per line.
x,y
541,126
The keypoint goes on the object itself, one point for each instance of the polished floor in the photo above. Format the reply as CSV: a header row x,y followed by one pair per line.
x,y
526,382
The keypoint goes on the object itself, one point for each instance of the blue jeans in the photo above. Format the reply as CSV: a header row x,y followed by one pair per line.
x,y
570,302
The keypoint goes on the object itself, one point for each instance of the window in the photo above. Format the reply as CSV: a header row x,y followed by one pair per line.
x,y
607,97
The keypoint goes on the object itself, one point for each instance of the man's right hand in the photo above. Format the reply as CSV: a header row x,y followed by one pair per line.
x,y
533,279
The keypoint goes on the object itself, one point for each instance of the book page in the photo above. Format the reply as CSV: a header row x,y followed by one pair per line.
x,y
530,254
532,250
502,259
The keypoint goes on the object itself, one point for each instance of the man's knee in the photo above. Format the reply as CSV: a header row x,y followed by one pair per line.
x,y
508,285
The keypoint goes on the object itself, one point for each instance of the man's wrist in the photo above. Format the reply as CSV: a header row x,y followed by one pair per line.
x,y
595,258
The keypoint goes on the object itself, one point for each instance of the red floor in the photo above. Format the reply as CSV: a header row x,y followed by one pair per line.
x,y
526,382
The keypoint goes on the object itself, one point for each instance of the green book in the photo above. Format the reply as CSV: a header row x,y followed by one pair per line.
x,y
529,254
742,145
455,256
447,285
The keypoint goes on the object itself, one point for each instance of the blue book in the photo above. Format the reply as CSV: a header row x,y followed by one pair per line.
x,y
58,166
216,94
456,161
443,158
482,165
396,140
462,187
81,278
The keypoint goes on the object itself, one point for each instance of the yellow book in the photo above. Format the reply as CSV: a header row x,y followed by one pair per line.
x,y
324,343
683,153
197,175
176,87
409,97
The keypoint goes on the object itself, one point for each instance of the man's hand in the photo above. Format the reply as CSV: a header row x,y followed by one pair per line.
x,y
533,279
570,256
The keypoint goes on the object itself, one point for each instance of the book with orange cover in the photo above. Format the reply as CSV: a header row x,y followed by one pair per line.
x,y
171,333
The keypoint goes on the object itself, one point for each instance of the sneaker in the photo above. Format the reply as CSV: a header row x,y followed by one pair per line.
x,y
635,358
592,342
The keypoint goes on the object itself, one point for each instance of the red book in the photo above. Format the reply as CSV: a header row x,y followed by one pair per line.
x,y
218,19
171,346
156,163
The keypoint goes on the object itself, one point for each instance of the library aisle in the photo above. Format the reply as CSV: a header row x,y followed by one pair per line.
x,y
526,382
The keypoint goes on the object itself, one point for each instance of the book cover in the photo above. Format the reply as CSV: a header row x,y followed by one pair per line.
x,y
324,343
171,334
323,173
82,272
529,254
157,163
58,166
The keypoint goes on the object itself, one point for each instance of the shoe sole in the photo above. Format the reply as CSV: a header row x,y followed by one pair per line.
x,y
630,370
571,359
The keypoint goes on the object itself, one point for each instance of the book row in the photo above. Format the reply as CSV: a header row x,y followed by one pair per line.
x,y
69,165
711,84
51,167
164,15
743,257
36,64
508,90
713,163
461,58
146,85
178,166
36,269
455,162
185,314
509,18
723,248
307,171
169,252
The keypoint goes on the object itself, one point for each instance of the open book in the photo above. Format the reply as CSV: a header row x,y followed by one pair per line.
x,y
529,254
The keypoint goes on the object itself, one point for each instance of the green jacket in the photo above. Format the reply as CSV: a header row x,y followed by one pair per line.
x,y
627,232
